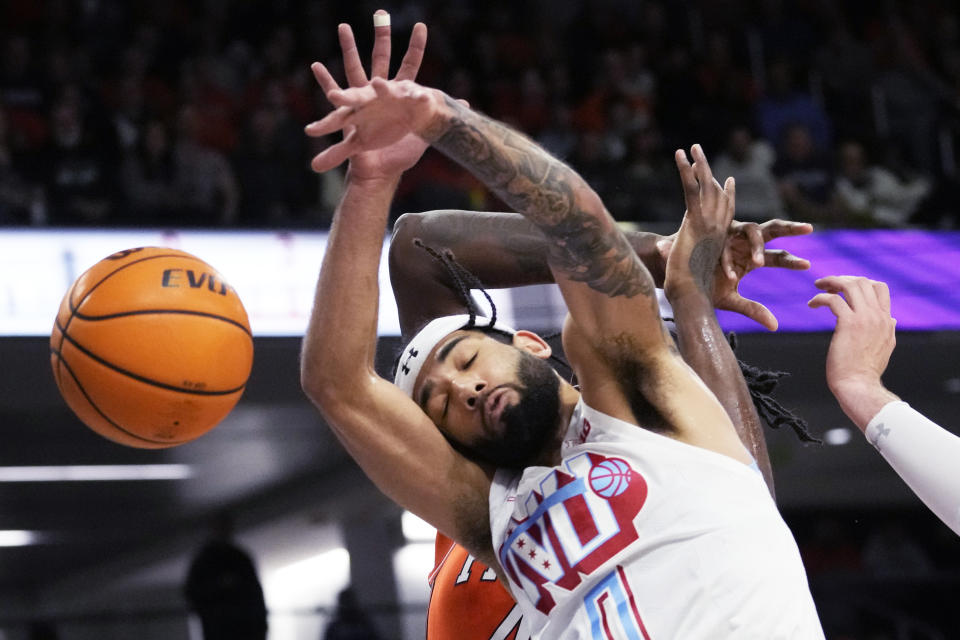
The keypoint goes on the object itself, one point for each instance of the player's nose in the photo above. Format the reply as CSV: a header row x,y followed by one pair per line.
x,y
467,391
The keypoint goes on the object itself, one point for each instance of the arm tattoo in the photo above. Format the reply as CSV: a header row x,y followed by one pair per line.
x,y
522,243
585,244
703,261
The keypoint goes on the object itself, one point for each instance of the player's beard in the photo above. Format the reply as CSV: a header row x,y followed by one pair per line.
x,y
531,424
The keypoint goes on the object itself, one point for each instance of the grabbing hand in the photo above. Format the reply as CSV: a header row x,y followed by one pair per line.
x,y
744,251
390,156
698,244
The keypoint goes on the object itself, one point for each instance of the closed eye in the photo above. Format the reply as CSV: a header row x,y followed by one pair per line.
x,y
466,365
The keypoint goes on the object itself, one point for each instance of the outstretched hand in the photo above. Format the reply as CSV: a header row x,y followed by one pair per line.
x,y
865,335
861,345
699,242
744,251
372,155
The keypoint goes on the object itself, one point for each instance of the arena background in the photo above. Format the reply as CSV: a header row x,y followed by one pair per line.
x,y
180,123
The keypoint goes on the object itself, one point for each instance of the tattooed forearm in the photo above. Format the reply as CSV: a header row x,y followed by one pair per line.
x,y
703,262
604,260
494,236
584,242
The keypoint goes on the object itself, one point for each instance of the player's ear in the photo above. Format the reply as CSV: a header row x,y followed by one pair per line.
x,y
532,343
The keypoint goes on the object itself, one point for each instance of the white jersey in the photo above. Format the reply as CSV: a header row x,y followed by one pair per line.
x,y
636,536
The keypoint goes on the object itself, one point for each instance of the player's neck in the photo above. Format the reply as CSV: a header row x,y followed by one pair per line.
x,y
550,455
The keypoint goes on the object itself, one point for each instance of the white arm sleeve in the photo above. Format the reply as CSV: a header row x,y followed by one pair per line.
x,y
924,454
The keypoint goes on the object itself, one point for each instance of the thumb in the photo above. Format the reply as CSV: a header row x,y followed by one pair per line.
x,y
755,311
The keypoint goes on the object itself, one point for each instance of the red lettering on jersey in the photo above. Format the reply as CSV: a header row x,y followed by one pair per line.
x,y
575,524
585,430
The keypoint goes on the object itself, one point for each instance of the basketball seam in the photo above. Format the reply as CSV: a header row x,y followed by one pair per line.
x,y
66,365
60,346
73,309
188,312
145,380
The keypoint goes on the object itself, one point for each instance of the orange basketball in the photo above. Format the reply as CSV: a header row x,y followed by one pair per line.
x,y
151,347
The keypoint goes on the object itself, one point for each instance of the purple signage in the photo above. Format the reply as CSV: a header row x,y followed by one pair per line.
x,y
922,269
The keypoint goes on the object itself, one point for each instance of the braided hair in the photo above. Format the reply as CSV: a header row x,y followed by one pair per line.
x,y
760,382
464,281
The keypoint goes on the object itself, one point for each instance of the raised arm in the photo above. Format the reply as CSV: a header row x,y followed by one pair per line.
x,y
921,452
690,287
588,255
388,435
506,250
503,250
607,289
614,337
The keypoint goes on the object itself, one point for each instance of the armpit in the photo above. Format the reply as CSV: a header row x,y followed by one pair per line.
x,y
640,382
473,524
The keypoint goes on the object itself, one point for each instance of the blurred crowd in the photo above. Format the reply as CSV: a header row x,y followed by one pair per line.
x,y
177,112
880,576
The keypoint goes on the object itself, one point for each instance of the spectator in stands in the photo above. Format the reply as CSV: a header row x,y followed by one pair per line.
x,y
22,93
872,195
805,177
350,621
128,111
78,166
214,110
223,589
207,188
649,184
149,178
750,162
786,102
16,194
844,68
907,93
558,137
271,192
727,91
686,71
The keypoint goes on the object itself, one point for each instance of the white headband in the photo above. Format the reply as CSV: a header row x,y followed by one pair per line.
x,y
417,350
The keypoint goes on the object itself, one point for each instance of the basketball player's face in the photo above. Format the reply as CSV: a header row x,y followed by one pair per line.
x,y
496,402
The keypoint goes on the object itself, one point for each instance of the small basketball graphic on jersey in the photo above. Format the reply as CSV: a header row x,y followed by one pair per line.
x,y
610,477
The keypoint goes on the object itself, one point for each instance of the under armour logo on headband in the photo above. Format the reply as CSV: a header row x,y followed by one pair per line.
x,y
413,353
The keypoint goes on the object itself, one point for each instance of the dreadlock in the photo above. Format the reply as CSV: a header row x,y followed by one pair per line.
x,y
760,382
465,281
